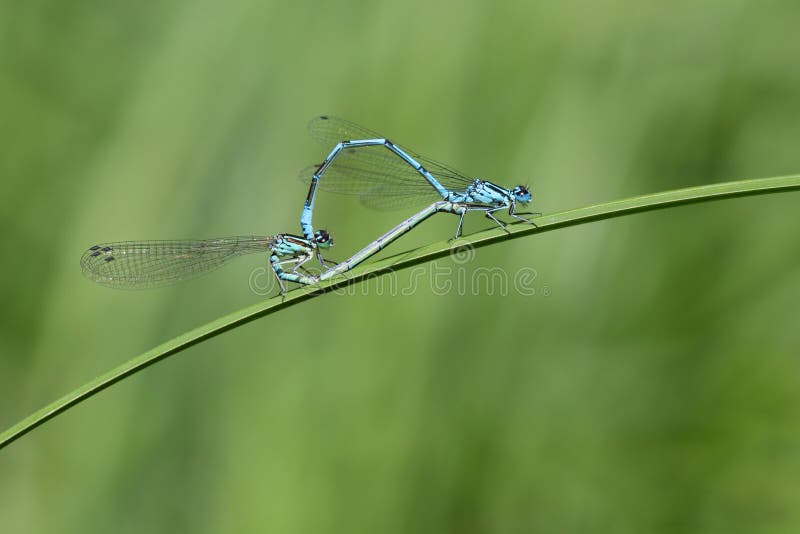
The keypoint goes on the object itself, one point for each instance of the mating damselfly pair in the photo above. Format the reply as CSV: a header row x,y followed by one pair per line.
x,y
361,162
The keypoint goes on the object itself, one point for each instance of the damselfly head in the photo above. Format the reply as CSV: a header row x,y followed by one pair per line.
x,y
521,194
323,239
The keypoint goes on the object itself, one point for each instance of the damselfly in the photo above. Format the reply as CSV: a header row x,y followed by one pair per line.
x,y
144,264
383,175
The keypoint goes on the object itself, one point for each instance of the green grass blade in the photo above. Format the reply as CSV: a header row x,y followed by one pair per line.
x,y
394,263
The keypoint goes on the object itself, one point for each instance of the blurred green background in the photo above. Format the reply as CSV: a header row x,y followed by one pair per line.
x,y
649,385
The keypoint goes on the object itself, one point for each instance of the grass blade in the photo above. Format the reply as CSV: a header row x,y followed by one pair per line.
x,y
394,263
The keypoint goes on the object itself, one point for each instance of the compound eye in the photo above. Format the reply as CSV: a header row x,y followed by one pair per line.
x,y
322,237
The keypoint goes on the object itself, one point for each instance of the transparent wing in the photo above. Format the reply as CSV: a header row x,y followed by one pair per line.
x,y
143,264
328,131
374,173
377,186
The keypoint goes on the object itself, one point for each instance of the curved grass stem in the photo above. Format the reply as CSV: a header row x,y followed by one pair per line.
x,y
395,263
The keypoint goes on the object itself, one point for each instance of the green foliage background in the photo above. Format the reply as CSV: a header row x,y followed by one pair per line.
x,y
650,384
